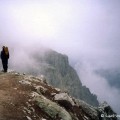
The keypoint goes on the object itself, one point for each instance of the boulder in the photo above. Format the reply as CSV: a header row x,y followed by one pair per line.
x,y
64,99
51,108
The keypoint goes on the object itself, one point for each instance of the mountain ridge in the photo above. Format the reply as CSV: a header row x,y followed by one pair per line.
x,y
59,73
26,97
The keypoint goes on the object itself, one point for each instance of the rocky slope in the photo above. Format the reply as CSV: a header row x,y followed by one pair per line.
x,y
25,97
56,68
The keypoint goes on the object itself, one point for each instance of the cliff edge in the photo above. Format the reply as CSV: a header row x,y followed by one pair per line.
x,y
25,97
59,73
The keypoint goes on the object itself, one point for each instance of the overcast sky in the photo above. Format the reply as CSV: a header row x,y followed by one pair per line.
x,y
85,30
79,28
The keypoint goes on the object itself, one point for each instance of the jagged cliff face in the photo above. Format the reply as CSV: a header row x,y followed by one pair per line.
x,y
25,97
55,67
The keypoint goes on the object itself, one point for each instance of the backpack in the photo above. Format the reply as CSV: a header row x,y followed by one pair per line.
x,y
6,50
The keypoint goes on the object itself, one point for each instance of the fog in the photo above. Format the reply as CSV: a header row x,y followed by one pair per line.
x,y
86,31
99,85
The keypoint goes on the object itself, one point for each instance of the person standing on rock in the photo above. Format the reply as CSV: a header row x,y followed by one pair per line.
x,y
4,58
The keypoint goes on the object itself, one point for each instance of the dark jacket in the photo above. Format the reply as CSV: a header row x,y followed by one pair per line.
x,y
4,57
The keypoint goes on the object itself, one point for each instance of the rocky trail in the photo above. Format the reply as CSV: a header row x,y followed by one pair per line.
x,y
25,97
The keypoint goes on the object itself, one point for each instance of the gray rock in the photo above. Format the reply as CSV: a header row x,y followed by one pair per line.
x,y
88,109
25,82
28,118
51,108
64,97
40,89
106,112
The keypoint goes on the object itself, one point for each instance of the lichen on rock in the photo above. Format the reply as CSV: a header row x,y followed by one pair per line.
x,y
51,108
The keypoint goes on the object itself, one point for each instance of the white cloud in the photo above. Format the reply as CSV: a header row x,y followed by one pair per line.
x,y
98,85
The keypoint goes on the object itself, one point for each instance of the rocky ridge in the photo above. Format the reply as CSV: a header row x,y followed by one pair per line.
x,y
26,97
59,73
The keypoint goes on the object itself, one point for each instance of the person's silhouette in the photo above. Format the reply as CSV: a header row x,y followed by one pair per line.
x,y
4,58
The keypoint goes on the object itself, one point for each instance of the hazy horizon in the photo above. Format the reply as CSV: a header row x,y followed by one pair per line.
x,y
86,31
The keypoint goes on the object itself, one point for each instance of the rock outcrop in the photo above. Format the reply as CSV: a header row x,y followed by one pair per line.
x,y
58,72
25,97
